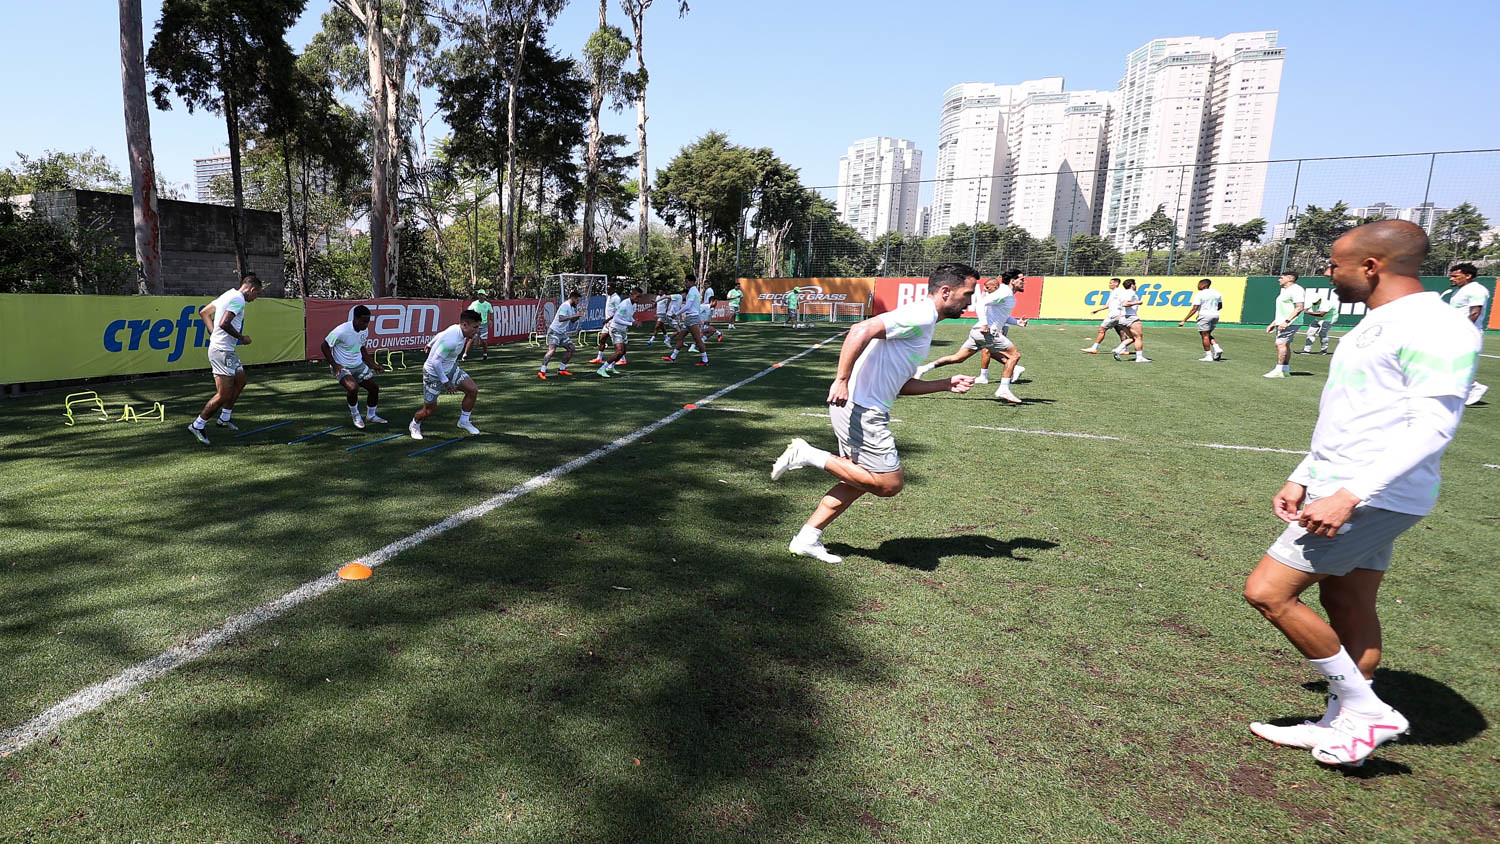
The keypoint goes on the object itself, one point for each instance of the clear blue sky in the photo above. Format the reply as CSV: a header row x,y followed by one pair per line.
x,y
807,77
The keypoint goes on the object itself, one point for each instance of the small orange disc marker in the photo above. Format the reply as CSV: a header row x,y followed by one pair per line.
x,y
776,365
355,571
690,407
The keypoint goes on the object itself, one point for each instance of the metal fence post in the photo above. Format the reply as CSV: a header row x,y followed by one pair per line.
x,y
739,227
1286,242
1427,191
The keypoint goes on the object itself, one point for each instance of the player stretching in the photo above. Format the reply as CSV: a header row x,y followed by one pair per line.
x,y
560,335
876,364
1318,315
1207,304
1470,299
706,309
353,367
1111,320
441,373
666,316
618,327
988,333
690,321
1392,403
225,317
1289,303
609,310
1130,323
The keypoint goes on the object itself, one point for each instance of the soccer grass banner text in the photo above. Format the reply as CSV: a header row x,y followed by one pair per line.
x,y
398,324
1164,298
892,293
47,337
762,293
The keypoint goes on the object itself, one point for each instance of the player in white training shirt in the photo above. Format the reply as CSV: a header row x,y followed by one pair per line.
x,y
666,316
1111,320
352,364
618,327
560,334
1290,302
1207,303
691,323
1130,321
225,317
441,374
610,305
877,363
989,334
1392,404
1470,298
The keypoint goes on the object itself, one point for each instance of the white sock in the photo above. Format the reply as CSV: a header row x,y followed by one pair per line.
x,y
416,424
704,357
674,354
1005,384
984,372
809,535
1140,356
1094,346
198,423
224,414
463,416
354,410
816,457
370,412
1348,685
1217,350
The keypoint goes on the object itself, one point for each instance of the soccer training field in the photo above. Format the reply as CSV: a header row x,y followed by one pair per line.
x,y
1041,638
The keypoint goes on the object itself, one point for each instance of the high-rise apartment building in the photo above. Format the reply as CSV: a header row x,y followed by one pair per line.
x,y
1031,155
923,228
205,172
1424,214
879,179
1192,131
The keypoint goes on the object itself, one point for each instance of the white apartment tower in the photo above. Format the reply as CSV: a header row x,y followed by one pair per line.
x,y
975,158
879,179
1194,116
206,172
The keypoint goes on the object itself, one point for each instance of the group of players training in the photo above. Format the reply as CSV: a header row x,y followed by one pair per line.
x,y
1395,394
683,314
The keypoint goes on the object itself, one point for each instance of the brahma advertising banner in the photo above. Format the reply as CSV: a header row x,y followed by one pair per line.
x,y
892,293
398,324
762,293
1163,298
49,337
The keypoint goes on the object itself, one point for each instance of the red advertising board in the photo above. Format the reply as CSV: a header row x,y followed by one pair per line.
x,y
410,323
892,293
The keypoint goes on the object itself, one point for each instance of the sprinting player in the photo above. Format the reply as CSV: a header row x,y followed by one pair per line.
x,y
707,309
989,333
353,367
690,322
792,299
1017,283
441,374
1289,303
481,305
560,335
1319,314
225,318
610,305
619,327
1131,323
666,316
1111,320
1392,404
1207,304
1470,299
735,297
876,364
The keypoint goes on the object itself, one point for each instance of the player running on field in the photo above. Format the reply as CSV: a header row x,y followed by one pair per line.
x,y
691,323
560,334
666,316
877,363
1018,284
441,374
1319,314
706,310
610,305
1130,321
1470,299
618,327
988,333
225,317
1207,304
1111,320
353,367
1289,303
1392,404
481,305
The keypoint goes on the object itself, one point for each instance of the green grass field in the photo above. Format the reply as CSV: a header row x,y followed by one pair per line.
x,y
1041,638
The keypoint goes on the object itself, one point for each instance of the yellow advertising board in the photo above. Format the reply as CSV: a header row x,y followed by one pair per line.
x,y
1163,297
46,337
761,293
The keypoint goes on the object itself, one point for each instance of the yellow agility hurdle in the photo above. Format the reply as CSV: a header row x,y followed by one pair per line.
x,y
85,398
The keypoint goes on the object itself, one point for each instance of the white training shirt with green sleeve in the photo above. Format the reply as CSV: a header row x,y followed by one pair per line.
x,y
443,351
347,344
566,318
1209,302
1471,295
1290,297
229,302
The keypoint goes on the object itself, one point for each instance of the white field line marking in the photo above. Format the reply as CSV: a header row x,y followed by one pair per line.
x,y
1248,448
1492,465
1045,433
1496,357
733,409
91,698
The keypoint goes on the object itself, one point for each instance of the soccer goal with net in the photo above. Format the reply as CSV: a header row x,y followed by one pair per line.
x,y
587,284
827,311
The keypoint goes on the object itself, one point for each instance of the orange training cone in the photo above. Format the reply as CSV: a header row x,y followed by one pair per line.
x,y
355,571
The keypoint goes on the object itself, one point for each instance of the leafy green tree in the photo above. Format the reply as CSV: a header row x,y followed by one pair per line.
x,y
1154,232
702,191
604,59
637,81
780,201
1089,254
222,55
53,170
1456,236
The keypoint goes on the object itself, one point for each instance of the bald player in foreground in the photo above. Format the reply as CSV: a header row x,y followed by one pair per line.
x,y
1393,401
876,364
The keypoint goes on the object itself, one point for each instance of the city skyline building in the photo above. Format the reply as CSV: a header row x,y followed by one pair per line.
x,y
205,172
879,181
1195,118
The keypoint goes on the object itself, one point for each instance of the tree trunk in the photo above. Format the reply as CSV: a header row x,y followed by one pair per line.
x,y
380,212
474,240
395,92
508,282
591,172
232,123
299,260
138,144
643,203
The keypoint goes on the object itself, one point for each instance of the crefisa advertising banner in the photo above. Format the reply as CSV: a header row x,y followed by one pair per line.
x,y
1163,298
47,337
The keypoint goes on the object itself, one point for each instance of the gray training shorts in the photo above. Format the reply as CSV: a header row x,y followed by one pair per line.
x,y
987,340
360,372
1367,544
618,334
865,436
225,362
1206,325
1287,335
561,339
433,385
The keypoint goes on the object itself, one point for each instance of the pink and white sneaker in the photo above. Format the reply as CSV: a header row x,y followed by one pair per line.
x,y
1353,737
1304,736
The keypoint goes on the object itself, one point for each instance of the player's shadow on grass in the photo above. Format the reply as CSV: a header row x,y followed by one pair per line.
x,y
1439,715
927,552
